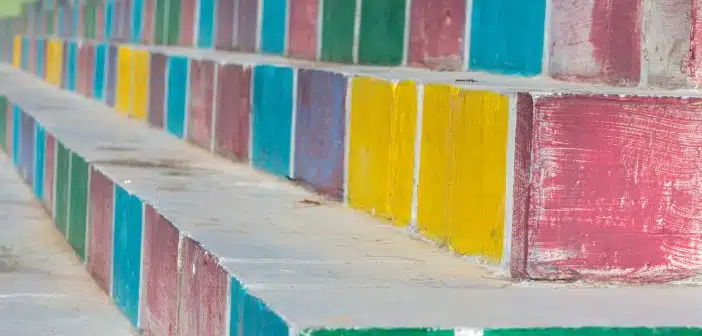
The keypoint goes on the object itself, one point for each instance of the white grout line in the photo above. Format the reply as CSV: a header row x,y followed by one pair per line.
x,y
466,32
643,68
196,23
228,310
347,138
286,27
417,156
112,252
166,88
186,113
259,28
293,124
509,185
235,27
357,29
320,24
468,332
142,244
406,40
68,206
215,108
252,94
546,54
87,217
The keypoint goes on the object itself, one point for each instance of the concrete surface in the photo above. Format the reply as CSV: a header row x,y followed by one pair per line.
x,y
308,266
44,289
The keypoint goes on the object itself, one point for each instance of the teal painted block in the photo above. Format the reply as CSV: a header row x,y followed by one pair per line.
x,y
273,26
177,90
137,20
206,24
507,36
40,66
39,153
251,316
16,130
126,260
381,37
25,53
101,51
109,18
71,66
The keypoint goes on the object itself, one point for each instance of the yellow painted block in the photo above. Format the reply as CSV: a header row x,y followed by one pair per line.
x,y
125,63
140,84
17,52
381,152
461,192
54,69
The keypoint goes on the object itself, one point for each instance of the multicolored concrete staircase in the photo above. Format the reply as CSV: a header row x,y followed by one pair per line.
x,y
544,182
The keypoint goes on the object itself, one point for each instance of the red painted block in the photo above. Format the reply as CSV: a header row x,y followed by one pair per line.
x,y
203,292
100,21
187,22
202,82
100,229
83,71
616,192
302,30
157,89
224,31
233,108
49,172
159,301
149,21
32,56
90,69
247,25
596,41
437,34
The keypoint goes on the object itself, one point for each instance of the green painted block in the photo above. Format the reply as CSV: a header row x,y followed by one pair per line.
x,y
51,15
160,24
3,123
78,208
381,38
62,179
379,332
338,30
595,332
89,15
173,24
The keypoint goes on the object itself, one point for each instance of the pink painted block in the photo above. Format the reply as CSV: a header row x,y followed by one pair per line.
x,y
202,82
83,69
437,34
100,229
596,41
159,301
233,108
32,56
157,89
187,23
149,21
246,19
49,172
100,21
203,292
522,166
90,69
224,30
616,192
302,30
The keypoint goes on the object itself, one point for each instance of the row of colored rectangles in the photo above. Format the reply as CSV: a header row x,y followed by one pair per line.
x,y
366,148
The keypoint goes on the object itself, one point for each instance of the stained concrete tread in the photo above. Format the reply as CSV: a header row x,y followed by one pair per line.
x,y
44,289
322,266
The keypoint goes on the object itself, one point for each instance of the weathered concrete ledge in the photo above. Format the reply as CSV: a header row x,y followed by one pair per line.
x,y
191,244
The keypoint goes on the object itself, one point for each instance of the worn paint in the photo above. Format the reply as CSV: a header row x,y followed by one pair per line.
x,y
125,68
137,20
160,21
382,332
202,84
596,41
272,118
381,152
111,75
630,206
338,25
147,36
100,65
100,21
78,204
159,300
140,84
84,70
273,26
666,27
320,131
49,173
157,89
302,29
176,92
247,25
172,24
249,315
518,25
203,292
39,153
61,178
187,22
693,61
206,23
126,259
381,39
224,23
594,331
462,177
101,210
233,106
437,34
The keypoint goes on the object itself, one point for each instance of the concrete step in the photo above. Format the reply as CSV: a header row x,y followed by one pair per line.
x,y
44,289
195,245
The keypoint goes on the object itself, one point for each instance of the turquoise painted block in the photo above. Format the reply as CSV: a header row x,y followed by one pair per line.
x,y
16,135
39,154
206,24
101,51
126,260
250,316
507,36
109,18
137,20
273,26
71,66
177,95
75,22
25,54
40,57
272,118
